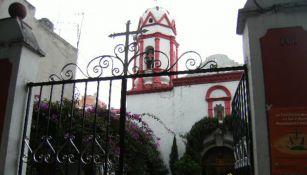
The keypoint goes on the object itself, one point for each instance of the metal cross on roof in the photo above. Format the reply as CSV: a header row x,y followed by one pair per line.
x,y
123,93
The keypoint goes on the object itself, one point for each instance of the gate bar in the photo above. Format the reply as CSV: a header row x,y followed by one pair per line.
x,y
25,131
120,77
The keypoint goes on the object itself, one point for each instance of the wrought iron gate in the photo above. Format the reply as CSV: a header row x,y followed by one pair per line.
x,y
68,137
243,145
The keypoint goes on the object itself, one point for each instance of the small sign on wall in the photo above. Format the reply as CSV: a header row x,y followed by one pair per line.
x,y
288,140
284,60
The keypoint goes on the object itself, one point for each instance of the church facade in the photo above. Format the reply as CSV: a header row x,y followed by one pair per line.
x,y
173,104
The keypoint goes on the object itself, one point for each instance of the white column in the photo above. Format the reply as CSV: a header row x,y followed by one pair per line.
x,y
23,54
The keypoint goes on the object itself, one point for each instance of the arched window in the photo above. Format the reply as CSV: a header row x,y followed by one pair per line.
x,y
224,97
150,57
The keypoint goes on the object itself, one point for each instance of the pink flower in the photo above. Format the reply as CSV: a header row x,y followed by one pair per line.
x,y
44,106
89,109
137,117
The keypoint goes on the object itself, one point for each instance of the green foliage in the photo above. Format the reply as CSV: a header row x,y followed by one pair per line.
x,y
228,123
199,132
173,156
65,123
187,166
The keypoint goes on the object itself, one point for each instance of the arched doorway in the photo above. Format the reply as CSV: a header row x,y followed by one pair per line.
x,y
218,161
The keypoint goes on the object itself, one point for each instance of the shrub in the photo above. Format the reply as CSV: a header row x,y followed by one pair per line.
x,y
80,134
187,166
173,156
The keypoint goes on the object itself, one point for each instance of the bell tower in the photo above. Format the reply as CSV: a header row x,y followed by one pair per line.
x,y
158,49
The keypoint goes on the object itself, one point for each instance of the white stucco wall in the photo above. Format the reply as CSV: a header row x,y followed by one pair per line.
x,y
165,48
160,29
179,109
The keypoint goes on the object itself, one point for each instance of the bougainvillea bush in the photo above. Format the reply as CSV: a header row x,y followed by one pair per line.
x,y
65,136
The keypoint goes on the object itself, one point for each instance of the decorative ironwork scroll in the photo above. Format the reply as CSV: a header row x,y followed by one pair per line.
x,y
113,65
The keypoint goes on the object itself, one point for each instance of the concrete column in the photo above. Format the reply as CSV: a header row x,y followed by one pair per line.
x,y
254,21
18,47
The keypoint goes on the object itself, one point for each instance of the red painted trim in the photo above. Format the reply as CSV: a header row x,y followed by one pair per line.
x,y
177,57
228,107
218,98
145,23
140,80
162,25
210,109
214,78
162,88
156,79
141,51
140,23
171,24
167,20
171,50
174,26
217,87
134,63
157,47
226,77
150,15
158,34
226,99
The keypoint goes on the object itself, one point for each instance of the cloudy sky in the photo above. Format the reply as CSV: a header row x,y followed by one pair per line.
x,y
207,27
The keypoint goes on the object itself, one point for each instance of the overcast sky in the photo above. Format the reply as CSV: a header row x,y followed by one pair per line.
x,y
207,27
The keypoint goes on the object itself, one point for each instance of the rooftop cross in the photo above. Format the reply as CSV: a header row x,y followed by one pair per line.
x,y
123,94
127,34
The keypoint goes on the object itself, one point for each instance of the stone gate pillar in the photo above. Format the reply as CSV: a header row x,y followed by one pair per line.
x,y
19,55
275,50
